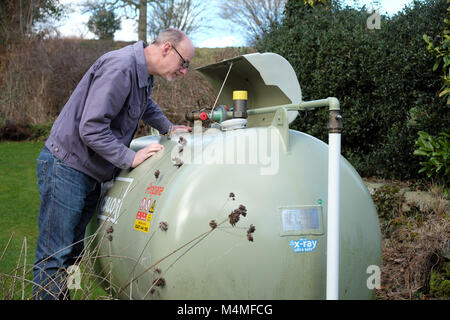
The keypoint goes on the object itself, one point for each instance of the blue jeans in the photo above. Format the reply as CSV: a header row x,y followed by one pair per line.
x,y
68,200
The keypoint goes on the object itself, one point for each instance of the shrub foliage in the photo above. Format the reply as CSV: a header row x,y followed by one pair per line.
x,y
383,78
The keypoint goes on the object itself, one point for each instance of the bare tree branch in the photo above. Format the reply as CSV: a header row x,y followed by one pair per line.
x,y
186,15
252,15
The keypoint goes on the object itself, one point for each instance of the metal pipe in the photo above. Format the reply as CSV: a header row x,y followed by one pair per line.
x,y
333,216
330,102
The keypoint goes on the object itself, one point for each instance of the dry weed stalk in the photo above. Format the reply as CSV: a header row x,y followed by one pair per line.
x,y
92,278
188,245
412,250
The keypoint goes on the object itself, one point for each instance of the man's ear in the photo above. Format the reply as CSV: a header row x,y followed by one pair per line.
x,y
165,48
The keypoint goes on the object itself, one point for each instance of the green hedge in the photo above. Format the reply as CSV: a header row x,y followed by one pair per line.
x,y
382,77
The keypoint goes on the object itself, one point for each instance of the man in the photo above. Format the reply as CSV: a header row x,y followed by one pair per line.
x,y
89,143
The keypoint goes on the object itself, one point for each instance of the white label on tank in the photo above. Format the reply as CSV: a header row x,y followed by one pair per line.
x,y
110,205
301,220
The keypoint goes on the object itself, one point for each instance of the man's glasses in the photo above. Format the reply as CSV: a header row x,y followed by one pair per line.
x,y
184,64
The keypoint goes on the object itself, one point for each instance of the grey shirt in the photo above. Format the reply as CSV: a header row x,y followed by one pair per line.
x,y
94,129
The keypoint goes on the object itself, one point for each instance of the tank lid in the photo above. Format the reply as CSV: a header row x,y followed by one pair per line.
x,y
268,77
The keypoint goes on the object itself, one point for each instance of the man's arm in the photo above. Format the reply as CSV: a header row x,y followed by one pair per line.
x,y
154,117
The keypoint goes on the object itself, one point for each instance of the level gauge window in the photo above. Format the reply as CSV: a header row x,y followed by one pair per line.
x,y
300,220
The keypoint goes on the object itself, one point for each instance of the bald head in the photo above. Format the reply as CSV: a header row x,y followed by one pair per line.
x,y
169,54
171,35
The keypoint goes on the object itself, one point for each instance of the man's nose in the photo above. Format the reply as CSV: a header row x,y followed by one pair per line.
x,y
183,71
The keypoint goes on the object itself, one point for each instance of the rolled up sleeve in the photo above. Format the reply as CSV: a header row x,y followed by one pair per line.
x,y
107,95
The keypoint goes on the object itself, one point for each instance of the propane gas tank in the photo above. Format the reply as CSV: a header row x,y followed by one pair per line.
x,y
232,215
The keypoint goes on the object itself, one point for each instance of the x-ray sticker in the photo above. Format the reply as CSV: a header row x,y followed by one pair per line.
x,y
303,245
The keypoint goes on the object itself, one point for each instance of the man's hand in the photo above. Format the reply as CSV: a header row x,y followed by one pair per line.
x,y
145,153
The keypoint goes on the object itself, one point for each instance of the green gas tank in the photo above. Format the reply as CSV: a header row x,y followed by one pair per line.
x,y
235,212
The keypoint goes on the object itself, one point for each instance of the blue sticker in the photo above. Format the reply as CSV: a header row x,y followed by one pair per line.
x,y
303,245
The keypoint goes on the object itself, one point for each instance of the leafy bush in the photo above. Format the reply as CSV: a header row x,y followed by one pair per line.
x,y
383,78
437,153
442,53
437,149
42,130
440,282
388,201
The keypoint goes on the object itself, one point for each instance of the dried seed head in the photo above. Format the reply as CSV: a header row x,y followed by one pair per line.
x,y
249,237
109,237
213,224
234,217
157,174
182,141
177,162
163,225
243,210
180,149
231,195
110,229
160,282
251,229
157,270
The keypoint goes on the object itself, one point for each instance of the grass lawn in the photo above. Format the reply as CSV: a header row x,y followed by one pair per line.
x,y
19,210
19,206
19,200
